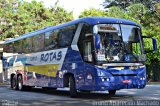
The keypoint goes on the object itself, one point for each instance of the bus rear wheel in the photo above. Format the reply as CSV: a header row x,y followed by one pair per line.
x,y
72,86
13,82
112,92
20,83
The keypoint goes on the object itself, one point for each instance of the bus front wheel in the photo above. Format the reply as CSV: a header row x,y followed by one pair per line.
x,y
112,92
72,86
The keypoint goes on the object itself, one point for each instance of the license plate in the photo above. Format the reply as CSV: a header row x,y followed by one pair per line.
x,y
126,81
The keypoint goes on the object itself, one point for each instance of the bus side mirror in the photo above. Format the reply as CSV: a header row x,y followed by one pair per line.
x,y
97,41
154,44
150,44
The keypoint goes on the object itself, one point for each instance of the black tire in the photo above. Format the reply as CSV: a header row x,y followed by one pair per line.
x,y
27,88
72,86
20,83
49,88
85,91
14,82
112,92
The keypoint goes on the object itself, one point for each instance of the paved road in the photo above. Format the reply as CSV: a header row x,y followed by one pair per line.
x,y
39,97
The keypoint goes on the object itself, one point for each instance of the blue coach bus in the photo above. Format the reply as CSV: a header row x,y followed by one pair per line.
x,y
87,54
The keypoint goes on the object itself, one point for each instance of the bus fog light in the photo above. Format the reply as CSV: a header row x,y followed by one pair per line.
x,y
107,79
103,79
142,78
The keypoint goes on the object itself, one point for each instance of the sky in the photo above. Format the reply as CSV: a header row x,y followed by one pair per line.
x,y
77,6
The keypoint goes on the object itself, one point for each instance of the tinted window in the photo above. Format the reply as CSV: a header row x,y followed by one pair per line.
x,y
27,45
51,39
8,48
38,43
65,36
18,47
11,61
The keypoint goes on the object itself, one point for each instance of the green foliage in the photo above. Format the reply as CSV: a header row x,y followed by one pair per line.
x,y
157,9
137,10
125,3
92,12
17,17
116,12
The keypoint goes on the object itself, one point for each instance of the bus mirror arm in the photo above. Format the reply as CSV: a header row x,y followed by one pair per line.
x,y
146,37
148,51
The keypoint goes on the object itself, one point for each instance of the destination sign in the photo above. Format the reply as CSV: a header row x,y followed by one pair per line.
x,y
107,28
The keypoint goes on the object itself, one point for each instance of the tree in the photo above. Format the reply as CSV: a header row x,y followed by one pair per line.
x,y
92,12
116,12
125,3
17,18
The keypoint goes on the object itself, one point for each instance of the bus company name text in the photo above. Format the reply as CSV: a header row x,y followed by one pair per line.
x,y
51,56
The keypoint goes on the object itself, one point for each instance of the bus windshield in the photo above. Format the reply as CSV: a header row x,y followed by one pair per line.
x,y
119,43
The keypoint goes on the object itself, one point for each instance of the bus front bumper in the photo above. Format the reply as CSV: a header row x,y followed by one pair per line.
x,y
120,82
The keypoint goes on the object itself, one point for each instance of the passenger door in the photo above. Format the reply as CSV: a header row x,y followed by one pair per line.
x,y
89,72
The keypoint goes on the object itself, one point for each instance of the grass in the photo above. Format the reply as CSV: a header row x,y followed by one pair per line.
x,y
4,83
153,82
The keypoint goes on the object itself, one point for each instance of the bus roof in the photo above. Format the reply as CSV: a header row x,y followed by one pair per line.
x,y
88,20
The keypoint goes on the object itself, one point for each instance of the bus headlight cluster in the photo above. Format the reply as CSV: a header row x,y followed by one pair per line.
x,y
142,78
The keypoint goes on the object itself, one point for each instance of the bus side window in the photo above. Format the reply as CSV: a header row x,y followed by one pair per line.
x,y
65,38
66,35
27,45
51,40
18,47
8,48
38,43
10,64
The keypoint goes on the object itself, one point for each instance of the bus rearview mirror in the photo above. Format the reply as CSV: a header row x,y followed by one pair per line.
x,y
154,44
150,44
